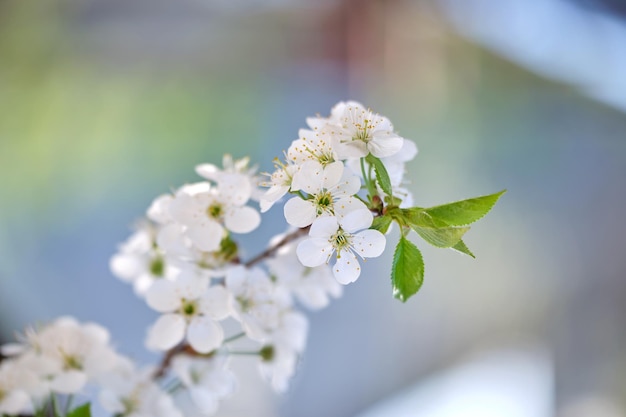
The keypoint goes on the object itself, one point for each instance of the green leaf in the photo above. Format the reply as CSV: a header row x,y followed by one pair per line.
x,y
464,212
81,411
381,173
432,230
407,271
381,223
462,247
444,237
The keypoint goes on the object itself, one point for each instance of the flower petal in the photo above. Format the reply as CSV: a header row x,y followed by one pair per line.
x,y
68,382
162,296
332,174
348,205
314,251
159,209
171,239
15,402
190,286
208,171
299,212
369,243
354,149
204,400
356,220
234,188
206,235
384,145
242,219
127,266
347,268
167,332
348,186
272,195
324,227
204,334
309,177
215,302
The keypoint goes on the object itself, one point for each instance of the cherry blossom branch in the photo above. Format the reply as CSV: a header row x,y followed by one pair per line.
x,y
168,356
290,237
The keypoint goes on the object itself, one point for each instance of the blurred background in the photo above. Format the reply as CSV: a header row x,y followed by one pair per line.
x,y
105,104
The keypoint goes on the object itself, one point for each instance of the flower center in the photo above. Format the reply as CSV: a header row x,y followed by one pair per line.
x,y
325,159
157,267
189,308
130,403
215,211
340,240
71,362
362,132
245,303
267,353
324,202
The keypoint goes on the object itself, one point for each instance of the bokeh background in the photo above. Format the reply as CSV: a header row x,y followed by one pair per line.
x,y
105,104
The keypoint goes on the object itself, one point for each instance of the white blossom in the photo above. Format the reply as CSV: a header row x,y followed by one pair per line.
x,y
347,239
64,355
312,146
331,191
312,286
206,212
128,392
358,131
257,302
17,382
233,170
140,261
206,381
281,353
191,310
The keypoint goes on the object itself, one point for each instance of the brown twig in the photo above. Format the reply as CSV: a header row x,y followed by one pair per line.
x,y
169,355
290,237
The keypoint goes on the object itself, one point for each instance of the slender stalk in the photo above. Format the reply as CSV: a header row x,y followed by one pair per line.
x,y
174,386
68,403
234,337
371,191
54,405
168,356
244,352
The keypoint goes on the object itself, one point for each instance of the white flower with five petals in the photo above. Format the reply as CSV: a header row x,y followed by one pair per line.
x,y
191,310
206,211
358,131
331,191
346,238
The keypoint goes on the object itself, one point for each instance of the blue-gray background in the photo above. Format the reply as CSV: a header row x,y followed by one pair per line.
x,y
106,104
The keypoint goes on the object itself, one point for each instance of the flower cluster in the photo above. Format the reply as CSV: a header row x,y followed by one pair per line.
x,y
185,261
345,179
326,170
